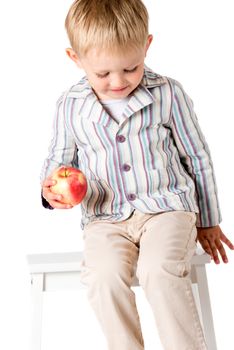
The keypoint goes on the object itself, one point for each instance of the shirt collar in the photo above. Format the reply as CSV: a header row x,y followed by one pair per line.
x,y
150,79
90,107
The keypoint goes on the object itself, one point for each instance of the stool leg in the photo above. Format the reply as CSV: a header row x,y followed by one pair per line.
x,y
37,304
207,319
197,301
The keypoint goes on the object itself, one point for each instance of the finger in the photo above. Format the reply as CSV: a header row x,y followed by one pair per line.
x,y
221,250
49,182
50,196
210,247
206,247
226,241
214,253
58,205
53,196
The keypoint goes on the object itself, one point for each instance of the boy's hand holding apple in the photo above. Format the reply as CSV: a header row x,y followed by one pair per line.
x,y
65,188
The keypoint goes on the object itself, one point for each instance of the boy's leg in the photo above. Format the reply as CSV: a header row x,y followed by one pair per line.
x,y
166,247
109,257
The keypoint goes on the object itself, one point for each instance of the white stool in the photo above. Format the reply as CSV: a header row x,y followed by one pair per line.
x,y
56,271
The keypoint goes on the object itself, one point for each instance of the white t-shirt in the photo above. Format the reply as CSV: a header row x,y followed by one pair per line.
x,y
115,107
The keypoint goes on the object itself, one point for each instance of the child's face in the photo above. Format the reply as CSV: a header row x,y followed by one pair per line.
x,y
113,76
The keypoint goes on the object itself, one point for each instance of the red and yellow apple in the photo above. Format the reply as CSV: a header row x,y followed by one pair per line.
x,y
71,183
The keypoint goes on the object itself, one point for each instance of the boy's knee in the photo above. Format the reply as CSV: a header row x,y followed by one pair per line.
x,y
111,274
160,273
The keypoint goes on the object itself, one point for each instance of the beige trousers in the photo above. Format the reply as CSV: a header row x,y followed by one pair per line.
x,y
161,247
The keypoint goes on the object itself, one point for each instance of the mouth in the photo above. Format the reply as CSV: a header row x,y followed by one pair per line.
x,y
119,90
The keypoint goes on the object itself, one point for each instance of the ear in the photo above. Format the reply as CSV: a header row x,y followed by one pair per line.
x,y
73,56
149,41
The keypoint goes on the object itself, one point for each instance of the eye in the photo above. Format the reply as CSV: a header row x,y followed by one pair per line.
x,y
131,70
102,75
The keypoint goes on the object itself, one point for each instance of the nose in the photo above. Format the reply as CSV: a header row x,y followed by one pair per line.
x,y
118,82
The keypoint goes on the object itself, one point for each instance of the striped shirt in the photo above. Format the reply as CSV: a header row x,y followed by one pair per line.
x,y
154,159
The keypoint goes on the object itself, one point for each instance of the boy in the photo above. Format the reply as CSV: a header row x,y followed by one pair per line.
x,y
151,185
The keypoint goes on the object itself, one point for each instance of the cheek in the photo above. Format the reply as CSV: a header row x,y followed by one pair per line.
x,y
98,83
102,85
137,77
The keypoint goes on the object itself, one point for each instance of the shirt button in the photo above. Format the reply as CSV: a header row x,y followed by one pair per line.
x,y
126,167
131,197
120,138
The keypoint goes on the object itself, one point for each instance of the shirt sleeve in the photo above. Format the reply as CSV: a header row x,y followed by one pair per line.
x,y
195,155
63,149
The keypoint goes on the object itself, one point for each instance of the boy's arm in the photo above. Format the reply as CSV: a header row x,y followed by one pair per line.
x,y
63,149
195,155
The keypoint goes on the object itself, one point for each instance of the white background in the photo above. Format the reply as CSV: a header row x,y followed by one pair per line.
x,y
193,43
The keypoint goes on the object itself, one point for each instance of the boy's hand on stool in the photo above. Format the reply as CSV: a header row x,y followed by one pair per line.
x,y
210,239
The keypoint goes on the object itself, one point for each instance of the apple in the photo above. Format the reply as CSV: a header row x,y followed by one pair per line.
x,y
71,184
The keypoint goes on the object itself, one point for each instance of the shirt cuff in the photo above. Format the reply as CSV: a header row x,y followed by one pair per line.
x,y
45,203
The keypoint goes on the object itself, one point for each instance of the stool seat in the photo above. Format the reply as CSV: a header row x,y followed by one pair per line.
x,y
54,262
71,261
58,271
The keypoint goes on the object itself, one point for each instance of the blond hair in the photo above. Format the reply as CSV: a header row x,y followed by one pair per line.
x,y
107,24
